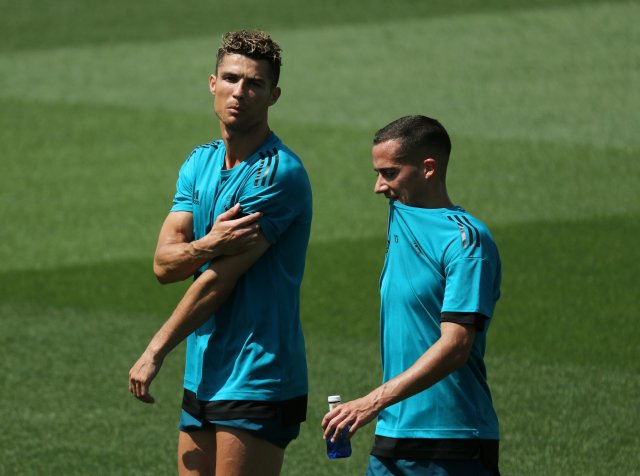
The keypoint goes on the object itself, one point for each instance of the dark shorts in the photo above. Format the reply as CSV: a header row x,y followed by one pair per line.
x,y
433,457
379,466
276,422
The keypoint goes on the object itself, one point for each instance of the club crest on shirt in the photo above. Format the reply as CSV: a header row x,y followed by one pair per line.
x,y
196,198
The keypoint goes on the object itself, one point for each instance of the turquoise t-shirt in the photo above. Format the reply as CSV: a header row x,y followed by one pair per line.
x,y
252,348
438,261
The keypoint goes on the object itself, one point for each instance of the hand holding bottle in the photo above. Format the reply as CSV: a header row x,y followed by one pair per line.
x,y
341,447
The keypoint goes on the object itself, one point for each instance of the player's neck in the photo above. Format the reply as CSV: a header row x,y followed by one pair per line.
x,y
241,144
441,202
436,197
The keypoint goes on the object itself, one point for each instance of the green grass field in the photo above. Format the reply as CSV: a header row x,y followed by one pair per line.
x,y
100,103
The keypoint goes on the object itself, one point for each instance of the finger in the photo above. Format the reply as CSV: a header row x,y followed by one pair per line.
x,y
340,427
327,427
142,392
247,233
328,431
352,429
229,214
336,433
247,220
134,386
328,417
324,422
331,429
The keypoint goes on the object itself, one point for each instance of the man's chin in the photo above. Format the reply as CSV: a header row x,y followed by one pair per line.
x,y
236,124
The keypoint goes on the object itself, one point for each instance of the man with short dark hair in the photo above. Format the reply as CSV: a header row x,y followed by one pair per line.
x,y
240,224
439,286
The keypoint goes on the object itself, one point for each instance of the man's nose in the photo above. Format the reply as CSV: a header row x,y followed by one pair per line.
x,y
380,185
238,91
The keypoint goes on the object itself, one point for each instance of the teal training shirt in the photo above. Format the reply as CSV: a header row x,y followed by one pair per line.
x,y
252,348
438,261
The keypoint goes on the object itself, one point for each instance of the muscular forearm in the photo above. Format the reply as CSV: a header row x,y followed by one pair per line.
x,y
179,256
449,353
202,299
445,356
177,261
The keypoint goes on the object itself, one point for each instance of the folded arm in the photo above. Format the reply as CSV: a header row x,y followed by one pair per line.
x,y
449,353
178,256
203,298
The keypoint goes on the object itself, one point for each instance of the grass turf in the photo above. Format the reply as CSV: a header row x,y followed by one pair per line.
x,y
96,117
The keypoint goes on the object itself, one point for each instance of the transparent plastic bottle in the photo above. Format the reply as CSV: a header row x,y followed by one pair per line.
x,y
342,446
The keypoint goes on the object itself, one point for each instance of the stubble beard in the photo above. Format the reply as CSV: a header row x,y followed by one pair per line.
x,y
238,125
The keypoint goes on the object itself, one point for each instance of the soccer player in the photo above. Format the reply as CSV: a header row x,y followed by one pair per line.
x,y
439,286
245,381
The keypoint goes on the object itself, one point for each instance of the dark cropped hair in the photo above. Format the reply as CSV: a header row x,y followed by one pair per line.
x,y
418,136
255,44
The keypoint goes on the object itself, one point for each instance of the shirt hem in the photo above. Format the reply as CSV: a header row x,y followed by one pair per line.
x,y
257,396
437,434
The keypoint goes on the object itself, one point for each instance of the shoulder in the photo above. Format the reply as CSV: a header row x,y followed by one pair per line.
x,y
278,164
463,221
204,152
469,237
201,159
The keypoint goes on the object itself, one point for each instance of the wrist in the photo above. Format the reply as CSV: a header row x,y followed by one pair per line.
x,y
201,249
156,350
386,395
377,400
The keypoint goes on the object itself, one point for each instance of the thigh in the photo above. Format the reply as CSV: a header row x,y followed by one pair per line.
x,y
197,452
240,453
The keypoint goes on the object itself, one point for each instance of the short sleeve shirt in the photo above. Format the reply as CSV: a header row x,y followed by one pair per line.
x,y
252,348
438,261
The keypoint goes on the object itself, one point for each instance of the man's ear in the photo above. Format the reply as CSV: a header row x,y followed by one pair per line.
x,y
275,95
430,167
212,84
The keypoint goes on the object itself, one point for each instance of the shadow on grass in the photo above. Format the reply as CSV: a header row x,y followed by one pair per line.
x,y
564,286
340,279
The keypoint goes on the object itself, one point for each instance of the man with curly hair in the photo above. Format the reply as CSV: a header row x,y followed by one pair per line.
x,y
240,224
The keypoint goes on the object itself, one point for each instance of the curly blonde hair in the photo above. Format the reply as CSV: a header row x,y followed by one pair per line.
x,y
255,44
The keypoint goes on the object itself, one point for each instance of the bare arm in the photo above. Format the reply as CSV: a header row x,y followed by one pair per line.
x,y
178,256
203,298
449,353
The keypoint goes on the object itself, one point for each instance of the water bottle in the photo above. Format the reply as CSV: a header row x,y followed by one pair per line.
x,y
342,446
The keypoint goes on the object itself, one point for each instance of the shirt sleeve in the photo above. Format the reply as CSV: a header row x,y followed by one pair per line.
x,y
183,199
280,190
470,318
470,286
